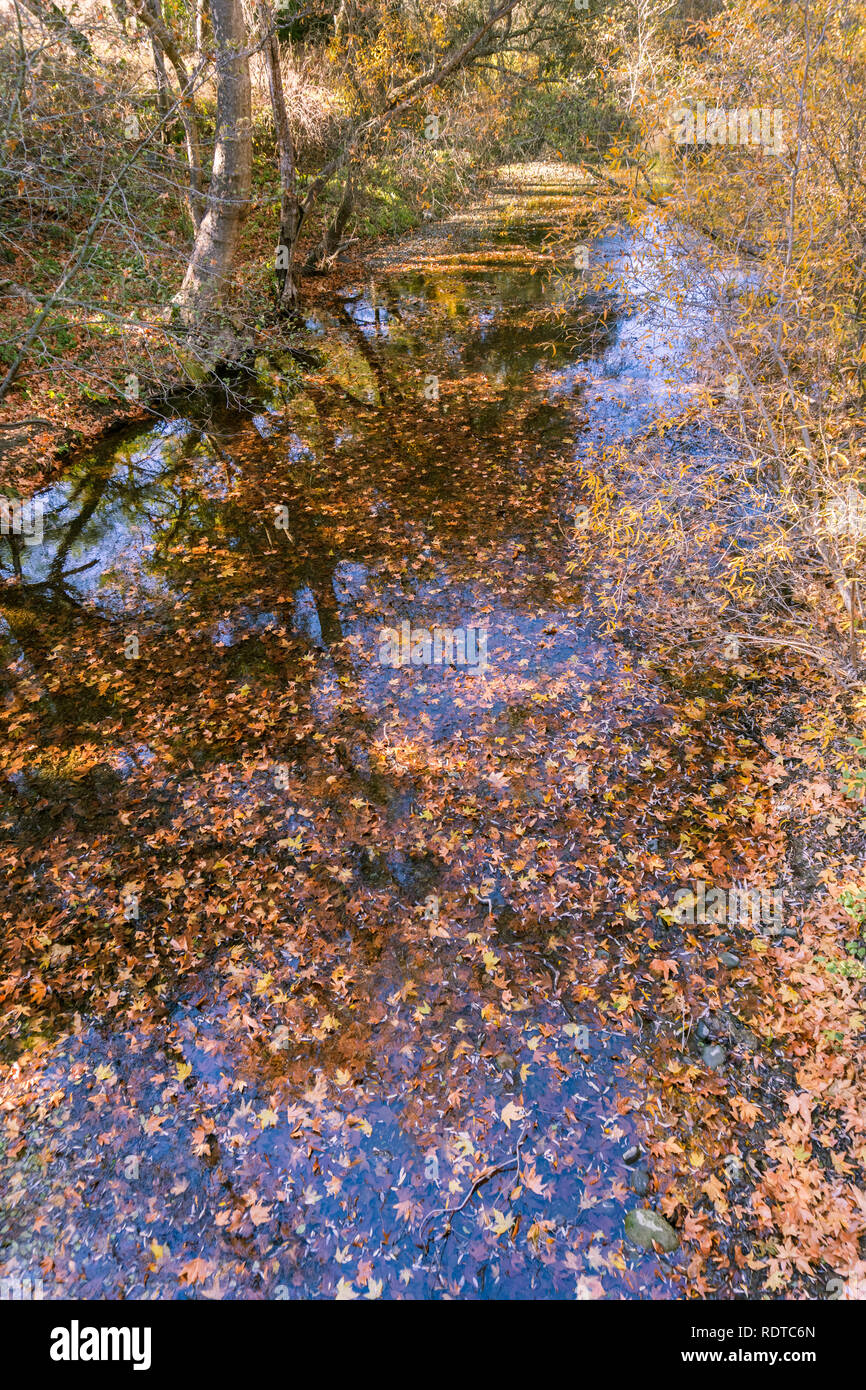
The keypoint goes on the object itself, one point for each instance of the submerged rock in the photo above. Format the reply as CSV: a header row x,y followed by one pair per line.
x,y
639,1180
645,1228
714,1057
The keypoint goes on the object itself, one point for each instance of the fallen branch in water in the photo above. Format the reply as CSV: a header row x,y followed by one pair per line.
x,y
482,1178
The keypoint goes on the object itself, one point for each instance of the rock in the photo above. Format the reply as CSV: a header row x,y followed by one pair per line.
x,y
639,1180
495,902
702,1030
645,1228
728,958
734,1168
632,1154
505,1062
714,1057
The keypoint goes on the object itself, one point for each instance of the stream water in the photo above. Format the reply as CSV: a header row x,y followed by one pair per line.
x,y
315,949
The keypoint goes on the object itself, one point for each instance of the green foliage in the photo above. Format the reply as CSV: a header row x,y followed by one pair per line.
x,y
854,902
299,21
855,781
572,117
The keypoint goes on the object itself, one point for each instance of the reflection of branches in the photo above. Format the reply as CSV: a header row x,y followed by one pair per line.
x,y
15,551
97,488
371,357
56,585
168,537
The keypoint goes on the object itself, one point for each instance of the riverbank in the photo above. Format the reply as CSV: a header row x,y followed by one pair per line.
x,y
95,371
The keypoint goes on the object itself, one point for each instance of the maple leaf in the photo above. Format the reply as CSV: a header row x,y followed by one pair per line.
x,y
510,1113
716,1193
501,1223
533,1181
745,1110
196,1271
799,1103
664,967
589,1289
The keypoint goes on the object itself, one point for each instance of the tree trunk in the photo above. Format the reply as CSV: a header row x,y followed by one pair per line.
x,y
291,213
163,98
54,19
333,236
200,26
212,259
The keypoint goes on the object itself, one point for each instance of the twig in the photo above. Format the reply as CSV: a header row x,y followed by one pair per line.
x,y
484,1177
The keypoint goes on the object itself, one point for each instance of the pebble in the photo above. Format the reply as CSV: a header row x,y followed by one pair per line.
x,y
714,1057
643,1227
639,1181
728,958
631,1154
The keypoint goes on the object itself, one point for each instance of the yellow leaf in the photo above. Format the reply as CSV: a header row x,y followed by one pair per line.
x,y
501,1223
